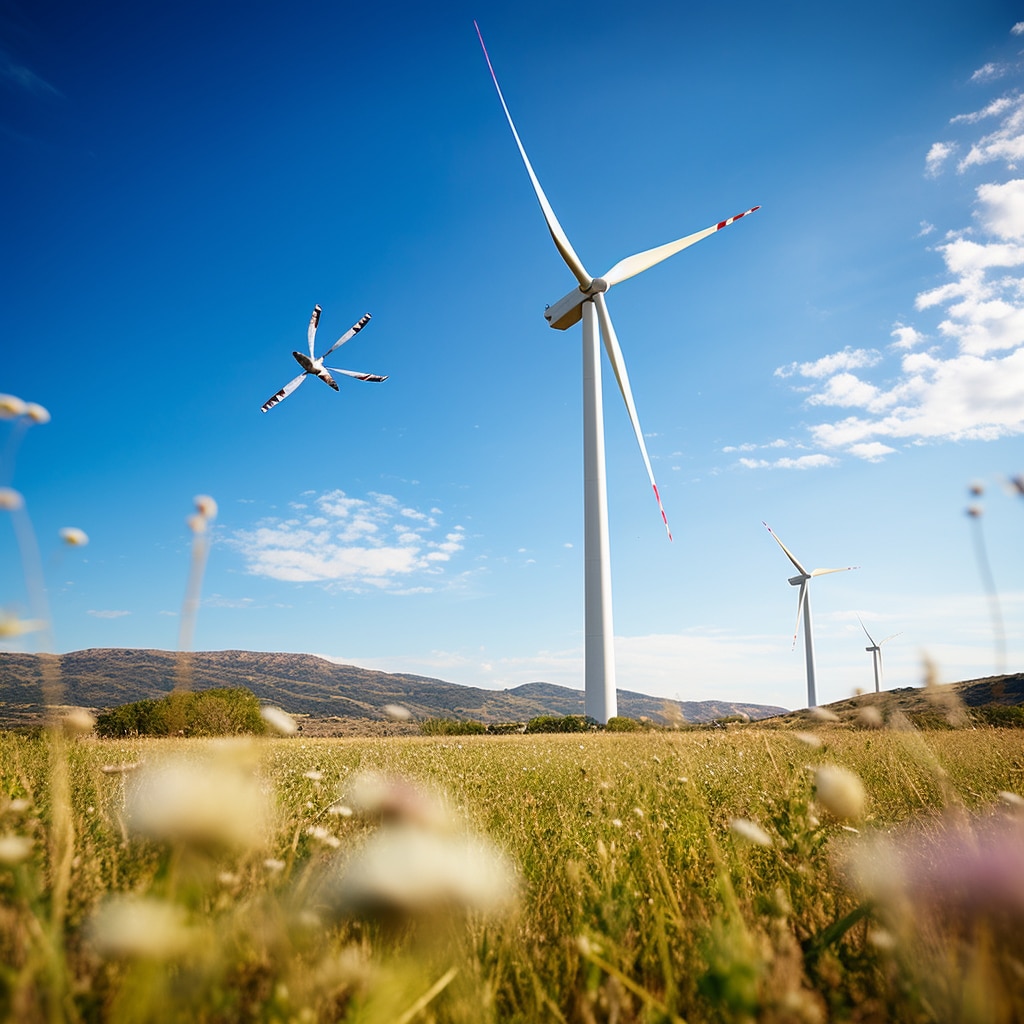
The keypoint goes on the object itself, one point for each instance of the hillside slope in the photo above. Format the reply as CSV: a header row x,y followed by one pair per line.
x,y
304,684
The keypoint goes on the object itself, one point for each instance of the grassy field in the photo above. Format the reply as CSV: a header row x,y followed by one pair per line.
x,y
744,874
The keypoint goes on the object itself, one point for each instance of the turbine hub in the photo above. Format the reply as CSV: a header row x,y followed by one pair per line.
x,y
795,581
304,361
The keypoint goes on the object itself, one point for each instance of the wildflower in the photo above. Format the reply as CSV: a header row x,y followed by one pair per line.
x,y
205,506
406,870
274,865
823,715
397,713
14,849
74,537
869,717
36,413
397,801
314,775
11,407
840,792
1012,800
18,805
321,834
750,831
341,810
10,499
807,738
141,928
279,721
78,721
207,804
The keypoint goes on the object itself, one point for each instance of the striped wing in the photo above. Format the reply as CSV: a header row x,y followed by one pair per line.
x,y
358,376
314,320
283,393
349,334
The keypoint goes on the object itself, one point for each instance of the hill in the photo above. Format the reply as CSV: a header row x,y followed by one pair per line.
x,y
306,685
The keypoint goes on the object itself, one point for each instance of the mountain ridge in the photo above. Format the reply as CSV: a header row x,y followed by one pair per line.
x,y
308,684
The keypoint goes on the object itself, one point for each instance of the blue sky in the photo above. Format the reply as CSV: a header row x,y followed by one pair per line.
x,y
183,182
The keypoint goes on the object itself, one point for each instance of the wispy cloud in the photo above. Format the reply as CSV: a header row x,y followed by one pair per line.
x,y
24,78
98,613
963,379
352,543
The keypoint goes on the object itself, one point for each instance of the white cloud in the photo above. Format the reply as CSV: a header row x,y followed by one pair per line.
x,y
969,383
341,543
939,153
989,72
107,613
817,461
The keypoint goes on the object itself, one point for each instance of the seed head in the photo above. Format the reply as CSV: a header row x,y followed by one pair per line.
x,y
139,928
840,792
807,738
278,721
36,413
750,831
78,721
397,713
869,717
10,499
820,714
74,537
14,849
11,407
206,803
205,506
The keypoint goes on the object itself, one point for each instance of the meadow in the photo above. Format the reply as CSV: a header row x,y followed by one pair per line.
x,y
742,874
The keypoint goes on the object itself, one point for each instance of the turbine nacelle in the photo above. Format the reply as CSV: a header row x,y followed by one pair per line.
x,y
795,581
568,310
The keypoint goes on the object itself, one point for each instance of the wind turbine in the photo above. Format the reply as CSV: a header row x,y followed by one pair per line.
x,y
803,607
587,303
876,652
315,367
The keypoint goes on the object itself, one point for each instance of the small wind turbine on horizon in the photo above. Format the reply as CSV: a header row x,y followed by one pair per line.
x,y
312,366
587,303
803,608
876,652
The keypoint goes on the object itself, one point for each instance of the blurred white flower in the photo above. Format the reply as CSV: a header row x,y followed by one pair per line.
x,y
839,792
78,721
278,721
397,713
14,849
807,738
869,717
750,831
398,801
823,715
74,537
11,407
10,499
139,927
406,870
205,506
206,802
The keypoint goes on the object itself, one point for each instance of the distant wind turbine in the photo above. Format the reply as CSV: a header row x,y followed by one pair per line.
x,y
803,607
315,367
876,652
587,302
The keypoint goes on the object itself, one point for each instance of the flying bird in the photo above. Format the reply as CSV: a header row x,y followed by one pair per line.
x,y
315,366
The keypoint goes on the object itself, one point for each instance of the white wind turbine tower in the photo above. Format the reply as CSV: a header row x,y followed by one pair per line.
x,y
587,302
875,650
803,607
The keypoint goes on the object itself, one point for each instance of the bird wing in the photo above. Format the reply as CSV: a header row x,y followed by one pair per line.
x,y
283,393
349,334
358,376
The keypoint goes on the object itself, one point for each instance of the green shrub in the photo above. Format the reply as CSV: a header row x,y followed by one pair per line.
x,y
620,723
1004,716
223,711
556,723
451,727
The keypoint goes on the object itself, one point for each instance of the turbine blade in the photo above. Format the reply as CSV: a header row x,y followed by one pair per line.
x,y
311,330
825,572
558,236
641,261
888,638
283,393
358,376
801,597
789,554
611,344
348,335
328,379
865,628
